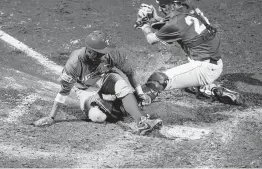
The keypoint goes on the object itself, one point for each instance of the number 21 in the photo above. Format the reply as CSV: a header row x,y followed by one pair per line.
x,y
199,27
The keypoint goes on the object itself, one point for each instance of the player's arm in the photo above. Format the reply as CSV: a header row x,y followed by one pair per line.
x,y
147,14
149,34
121,61
67,83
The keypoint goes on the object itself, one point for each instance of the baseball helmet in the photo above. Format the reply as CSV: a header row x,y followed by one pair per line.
x,y
98,41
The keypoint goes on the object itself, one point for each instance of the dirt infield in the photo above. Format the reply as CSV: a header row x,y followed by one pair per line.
x,y
206,134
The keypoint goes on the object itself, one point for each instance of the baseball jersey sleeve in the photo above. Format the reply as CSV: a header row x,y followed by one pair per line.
x,y
70,74
168,33
121,61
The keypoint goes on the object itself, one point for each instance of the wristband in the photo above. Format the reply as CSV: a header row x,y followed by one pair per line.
x,y
145,26
139,90
60,98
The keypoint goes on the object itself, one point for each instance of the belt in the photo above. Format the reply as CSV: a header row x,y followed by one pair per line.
x,y
213,61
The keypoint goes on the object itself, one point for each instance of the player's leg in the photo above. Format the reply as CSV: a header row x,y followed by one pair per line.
x,y
86,97
197,74
193,73
116,85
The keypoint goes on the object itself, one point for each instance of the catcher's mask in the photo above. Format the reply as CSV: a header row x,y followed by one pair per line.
x,y
99,42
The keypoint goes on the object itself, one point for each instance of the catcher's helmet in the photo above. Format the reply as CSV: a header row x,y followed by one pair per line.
x,y
98,42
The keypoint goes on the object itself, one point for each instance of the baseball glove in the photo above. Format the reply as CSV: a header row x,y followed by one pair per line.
x,y
45,121
145,13
145,127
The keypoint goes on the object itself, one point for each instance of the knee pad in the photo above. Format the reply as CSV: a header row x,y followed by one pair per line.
x,y
157,81
96,115
116,85
122,88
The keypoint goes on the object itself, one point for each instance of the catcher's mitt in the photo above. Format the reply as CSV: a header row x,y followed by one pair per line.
x,y
145,13
45,121
144,128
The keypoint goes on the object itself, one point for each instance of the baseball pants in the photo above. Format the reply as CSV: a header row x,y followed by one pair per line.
x,y
193,73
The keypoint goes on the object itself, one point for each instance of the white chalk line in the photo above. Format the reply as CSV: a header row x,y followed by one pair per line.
x,y
30,52
184,132
21,109
50,65
180,131
41,93
21,151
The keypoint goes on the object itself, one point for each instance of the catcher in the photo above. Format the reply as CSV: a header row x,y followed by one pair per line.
x,y
187,26
105,84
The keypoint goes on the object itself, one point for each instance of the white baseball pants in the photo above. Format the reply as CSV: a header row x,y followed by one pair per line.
x,y
193,73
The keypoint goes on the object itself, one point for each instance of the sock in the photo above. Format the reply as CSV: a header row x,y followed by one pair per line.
x,y
131,106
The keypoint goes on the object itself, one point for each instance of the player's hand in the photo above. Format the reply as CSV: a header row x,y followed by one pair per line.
x,y
144,100
102,68
45,121
145,13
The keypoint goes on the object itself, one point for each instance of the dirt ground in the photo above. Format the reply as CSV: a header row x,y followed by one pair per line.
x,y
208,134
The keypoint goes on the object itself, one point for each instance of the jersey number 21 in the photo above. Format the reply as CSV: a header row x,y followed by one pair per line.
x,y
199,27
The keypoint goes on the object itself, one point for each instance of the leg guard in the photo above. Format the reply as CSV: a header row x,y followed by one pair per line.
x,y
96,101
113,110
115,85
107,99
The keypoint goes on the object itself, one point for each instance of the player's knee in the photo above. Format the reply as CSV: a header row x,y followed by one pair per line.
x,y
122,88
157,81
96,115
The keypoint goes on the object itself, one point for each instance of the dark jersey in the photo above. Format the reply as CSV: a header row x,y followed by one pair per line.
x,y
83,74
185,29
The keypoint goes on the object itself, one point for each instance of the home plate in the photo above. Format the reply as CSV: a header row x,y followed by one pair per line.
x,y
183,132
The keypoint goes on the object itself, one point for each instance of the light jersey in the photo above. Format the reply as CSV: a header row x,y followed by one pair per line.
x,y
82,73
184,29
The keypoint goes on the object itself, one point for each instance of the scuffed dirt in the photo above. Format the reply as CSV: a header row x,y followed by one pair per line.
x,y
220,135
